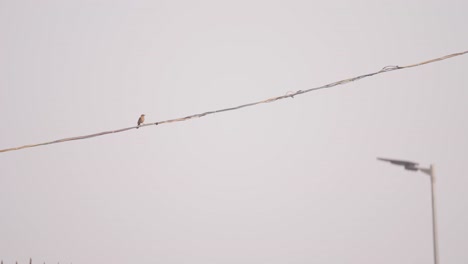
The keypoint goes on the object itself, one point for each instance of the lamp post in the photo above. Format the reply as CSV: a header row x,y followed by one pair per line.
x,y
412,166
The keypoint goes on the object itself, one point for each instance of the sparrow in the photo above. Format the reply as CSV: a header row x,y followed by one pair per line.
x,y
141,120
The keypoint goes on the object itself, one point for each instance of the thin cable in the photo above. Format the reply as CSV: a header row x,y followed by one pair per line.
x,y
273,99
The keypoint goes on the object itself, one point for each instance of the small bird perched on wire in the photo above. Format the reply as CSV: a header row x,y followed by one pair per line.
x,y
141,120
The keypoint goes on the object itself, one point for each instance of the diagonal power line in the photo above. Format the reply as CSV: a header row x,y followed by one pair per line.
x,y
273,99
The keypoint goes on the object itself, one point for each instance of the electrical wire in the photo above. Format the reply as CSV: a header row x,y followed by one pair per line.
x,y
273,99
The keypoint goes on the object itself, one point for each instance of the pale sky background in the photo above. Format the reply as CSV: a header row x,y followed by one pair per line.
x,y
295,181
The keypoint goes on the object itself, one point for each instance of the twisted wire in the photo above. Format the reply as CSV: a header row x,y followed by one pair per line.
x,y
269,100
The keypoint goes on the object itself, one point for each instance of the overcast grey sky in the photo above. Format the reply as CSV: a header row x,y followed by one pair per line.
x,y
295,181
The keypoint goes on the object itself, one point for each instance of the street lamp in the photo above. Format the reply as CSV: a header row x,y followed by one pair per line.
x,y
412,166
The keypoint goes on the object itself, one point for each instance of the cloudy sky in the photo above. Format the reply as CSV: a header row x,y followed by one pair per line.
x,y
295,181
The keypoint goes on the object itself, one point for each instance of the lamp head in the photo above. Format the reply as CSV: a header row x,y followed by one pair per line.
x,y
409,165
